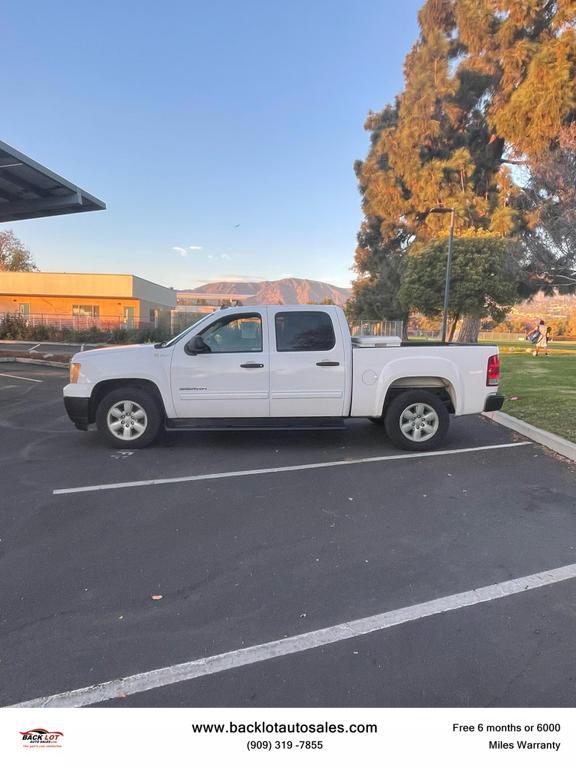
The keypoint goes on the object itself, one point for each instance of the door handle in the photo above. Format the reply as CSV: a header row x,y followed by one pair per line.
x,y
327,363
251,365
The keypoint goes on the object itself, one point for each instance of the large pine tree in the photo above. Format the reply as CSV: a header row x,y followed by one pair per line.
x,y
548,252
469,110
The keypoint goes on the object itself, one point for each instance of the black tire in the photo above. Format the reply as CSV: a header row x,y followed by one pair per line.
x,y
407,429
141,429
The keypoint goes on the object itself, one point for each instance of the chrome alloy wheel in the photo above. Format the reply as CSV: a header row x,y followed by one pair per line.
x,y
126,420
419,422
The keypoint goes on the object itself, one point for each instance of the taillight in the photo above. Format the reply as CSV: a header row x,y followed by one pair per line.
x,y
493,371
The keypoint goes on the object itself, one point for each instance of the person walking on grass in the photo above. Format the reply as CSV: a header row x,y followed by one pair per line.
x,y
540,336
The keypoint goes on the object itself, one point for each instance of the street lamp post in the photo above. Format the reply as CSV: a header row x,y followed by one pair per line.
x,y
452,213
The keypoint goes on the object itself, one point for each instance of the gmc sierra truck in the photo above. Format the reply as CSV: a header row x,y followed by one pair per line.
x,y
278,365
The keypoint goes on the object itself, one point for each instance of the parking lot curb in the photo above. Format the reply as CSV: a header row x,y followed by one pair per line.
x,y
558,444
35,361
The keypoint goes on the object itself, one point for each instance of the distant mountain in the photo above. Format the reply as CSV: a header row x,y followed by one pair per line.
x,y
290,290
248,289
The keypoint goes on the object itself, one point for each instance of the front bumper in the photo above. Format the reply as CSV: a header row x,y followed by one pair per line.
x,y
493,403
78,409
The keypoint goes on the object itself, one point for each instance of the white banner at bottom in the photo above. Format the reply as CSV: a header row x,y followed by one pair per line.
x,y
284,737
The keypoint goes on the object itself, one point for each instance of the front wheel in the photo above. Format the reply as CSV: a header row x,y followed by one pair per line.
x,y
416,420
129,418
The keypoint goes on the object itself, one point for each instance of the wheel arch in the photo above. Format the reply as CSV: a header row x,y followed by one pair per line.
x,y
436,385
103,388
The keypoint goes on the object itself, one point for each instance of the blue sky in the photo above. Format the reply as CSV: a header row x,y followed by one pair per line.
x,y
189,118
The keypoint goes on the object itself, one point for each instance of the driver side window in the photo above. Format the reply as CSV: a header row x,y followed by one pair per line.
x,y
236,333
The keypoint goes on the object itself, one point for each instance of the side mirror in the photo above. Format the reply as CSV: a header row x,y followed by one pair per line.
x,y
196,346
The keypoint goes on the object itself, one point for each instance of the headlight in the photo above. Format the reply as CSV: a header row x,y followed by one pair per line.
x,y
74,373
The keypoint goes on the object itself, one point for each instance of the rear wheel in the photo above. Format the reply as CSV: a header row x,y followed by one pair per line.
x,y
416,420
129,418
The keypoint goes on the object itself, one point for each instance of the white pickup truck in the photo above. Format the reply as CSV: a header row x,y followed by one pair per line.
x,y
275,365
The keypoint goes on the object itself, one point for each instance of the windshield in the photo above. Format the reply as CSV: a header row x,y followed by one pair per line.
x,y
183,333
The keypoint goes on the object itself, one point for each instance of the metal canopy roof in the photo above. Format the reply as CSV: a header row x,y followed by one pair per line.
x,y
29,191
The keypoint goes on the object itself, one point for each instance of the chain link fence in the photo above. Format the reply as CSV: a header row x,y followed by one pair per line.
x,y
80,322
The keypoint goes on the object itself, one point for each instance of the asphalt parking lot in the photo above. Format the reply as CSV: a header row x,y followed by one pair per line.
x,y
44,347
256,558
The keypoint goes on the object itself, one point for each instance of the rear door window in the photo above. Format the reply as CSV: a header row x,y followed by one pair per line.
x,y
304,332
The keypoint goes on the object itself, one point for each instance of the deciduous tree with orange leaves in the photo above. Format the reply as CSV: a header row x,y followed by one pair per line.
x,y
489,85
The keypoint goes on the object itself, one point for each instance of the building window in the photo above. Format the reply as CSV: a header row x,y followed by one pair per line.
x,y
86,310
129,317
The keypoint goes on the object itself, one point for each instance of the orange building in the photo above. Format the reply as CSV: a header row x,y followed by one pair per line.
x,y
80,300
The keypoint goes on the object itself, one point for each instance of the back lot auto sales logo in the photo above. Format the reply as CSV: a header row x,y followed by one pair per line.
x,y
40,737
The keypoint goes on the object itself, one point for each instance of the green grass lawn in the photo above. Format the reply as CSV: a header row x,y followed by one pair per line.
x,y
557,347
545,388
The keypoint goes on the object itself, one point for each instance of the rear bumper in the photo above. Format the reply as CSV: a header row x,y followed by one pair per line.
x,y
78,409
493,403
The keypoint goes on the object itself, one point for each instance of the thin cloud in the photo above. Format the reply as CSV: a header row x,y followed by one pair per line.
x,y
185,250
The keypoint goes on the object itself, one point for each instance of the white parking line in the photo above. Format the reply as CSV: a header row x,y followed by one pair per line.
x,y
271,470
23,378
189,670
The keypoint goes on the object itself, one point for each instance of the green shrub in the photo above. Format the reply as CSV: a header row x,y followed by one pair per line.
x,y
118,336
40,332
13,327
16,327
149,335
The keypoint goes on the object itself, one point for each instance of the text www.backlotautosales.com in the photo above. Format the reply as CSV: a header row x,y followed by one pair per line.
x,y
284,728
272,736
